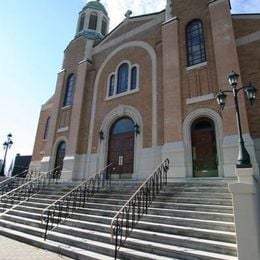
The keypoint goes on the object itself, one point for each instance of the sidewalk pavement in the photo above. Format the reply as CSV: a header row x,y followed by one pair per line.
x,y
14,250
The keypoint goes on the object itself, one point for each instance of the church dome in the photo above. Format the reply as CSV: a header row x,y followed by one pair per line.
x,y
96,5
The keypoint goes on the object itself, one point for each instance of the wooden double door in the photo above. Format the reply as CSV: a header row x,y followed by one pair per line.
x,y
121,153
204,150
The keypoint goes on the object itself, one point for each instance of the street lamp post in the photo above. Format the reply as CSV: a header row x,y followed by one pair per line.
x,y
243,160
7,144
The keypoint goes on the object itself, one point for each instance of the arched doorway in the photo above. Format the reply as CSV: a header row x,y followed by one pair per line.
x,y
60,154
204,150
121,147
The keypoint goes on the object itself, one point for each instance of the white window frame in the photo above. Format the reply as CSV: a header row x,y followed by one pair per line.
x,y
129,90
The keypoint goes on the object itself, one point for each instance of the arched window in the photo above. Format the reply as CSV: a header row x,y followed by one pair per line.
x,y
133,78
46,130
111,85
60,154
69,90
122,78
104,26
93,21
196,52
123,125
81,22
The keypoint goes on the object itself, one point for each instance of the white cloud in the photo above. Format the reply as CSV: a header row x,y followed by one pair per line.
x,y
245,6
117,8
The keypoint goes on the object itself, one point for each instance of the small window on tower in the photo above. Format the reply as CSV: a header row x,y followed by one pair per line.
x,y
81,23
104,26
93,21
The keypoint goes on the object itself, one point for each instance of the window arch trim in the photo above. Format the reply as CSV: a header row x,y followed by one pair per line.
x,y
128,90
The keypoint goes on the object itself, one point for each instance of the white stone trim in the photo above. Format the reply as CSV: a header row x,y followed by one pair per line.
x,y
245,16
188,121
122,94
199,99
106,125
106,43
115,73
252,37
152,55
196,66
63,129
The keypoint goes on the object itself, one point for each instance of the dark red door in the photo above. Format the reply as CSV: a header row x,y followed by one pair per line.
x,y
204,152
121,152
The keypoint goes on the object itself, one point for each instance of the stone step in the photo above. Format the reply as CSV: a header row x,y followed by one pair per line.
x,y
176,206
194,194
209,234
173,199
166,250
60,248
195,207
209,189
186,221
226,217
187,241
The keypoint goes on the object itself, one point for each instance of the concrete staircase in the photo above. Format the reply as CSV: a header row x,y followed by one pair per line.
x,y
190,220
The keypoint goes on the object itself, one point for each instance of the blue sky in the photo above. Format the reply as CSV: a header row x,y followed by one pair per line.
x,y
33,35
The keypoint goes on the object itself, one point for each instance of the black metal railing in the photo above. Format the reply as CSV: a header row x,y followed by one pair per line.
x,y
62,208
17,180
129,215
36,182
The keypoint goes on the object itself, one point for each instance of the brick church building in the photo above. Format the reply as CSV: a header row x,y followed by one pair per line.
x,y
146,90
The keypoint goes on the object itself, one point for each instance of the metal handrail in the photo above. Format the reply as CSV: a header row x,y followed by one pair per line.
x,y
60,209
18,180
26,190
5,184
128,216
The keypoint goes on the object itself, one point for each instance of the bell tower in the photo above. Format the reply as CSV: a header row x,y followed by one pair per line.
x,y
93,21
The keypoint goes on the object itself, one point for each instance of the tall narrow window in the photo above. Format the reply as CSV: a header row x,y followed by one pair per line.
x,y
111,85
104,26
60,154
69,90
196,52
93,21
81,22
133,78
122,78
46,130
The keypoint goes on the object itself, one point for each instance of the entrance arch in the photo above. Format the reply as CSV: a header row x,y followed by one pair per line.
x,y
121,147
60,154
204,150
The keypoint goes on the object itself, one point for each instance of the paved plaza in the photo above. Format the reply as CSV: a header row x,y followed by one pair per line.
x,y
14,250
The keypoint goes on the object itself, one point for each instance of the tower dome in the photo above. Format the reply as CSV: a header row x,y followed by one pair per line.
x,y
93,21
96,5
